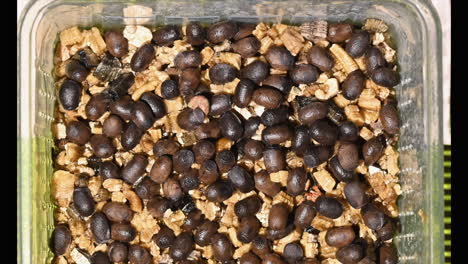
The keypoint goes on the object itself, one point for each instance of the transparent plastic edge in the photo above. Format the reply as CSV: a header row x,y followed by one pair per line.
x,y
435,188
434,205
25,141
23,181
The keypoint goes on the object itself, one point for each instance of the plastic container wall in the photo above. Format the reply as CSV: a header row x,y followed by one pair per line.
x,y
415,28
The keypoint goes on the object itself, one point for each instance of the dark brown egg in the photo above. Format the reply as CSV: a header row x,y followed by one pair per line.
x,y
280,58
221,31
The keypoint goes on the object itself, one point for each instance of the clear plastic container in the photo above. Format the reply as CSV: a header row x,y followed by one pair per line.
x,y
416,31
